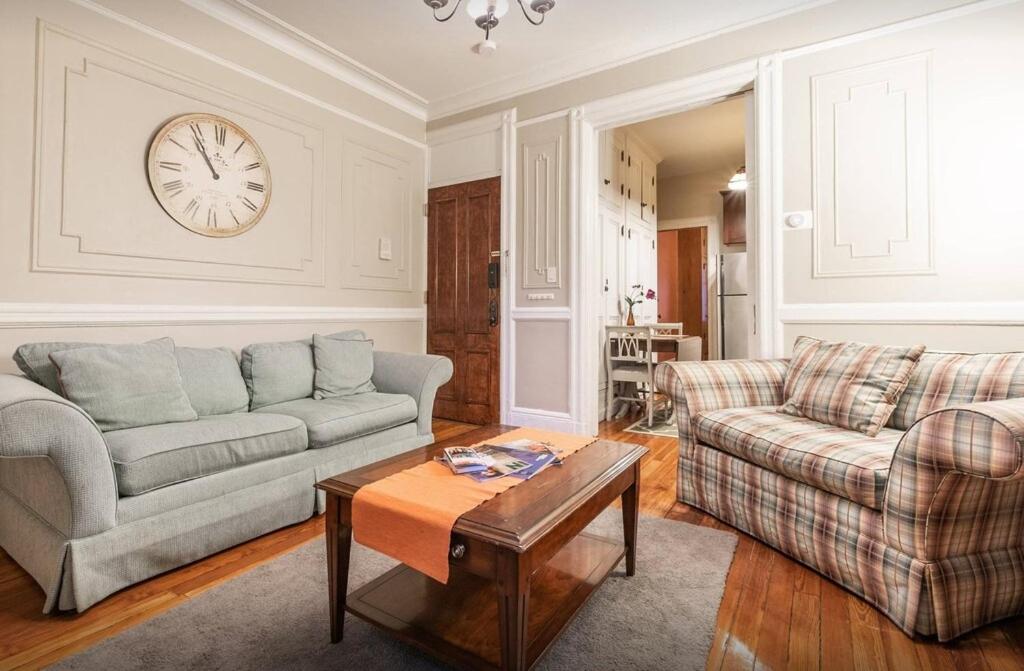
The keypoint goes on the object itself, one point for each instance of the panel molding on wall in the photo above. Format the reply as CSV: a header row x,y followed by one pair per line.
x,y
376,204
106,221
542,212
67,315
891,232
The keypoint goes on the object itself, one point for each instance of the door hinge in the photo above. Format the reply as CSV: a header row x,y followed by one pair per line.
x,y
652,244
426,296
426,209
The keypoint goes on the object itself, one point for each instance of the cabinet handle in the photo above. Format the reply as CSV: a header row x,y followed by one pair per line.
x,y
629,194
607,182
629,234
643,204
622,189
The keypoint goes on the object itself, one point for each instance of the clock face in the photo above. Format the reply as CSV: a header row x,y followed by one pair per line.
x,y
209,175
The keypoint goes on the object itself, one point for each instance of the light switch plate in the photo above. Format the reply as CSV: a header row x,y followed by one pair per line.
x,y
552,274
384,249
798,220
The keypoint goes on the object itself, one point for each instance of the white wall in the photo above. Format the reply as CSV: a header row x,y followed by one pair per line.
x,y
83,88
906,147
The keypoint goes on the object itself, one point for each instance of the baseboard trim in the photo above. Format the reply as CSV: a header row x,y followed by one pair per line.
x,y
544,419
66,315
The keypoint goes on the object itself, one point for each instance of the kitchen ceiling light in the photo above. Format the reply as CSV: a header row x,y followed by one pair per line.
x,y
738,182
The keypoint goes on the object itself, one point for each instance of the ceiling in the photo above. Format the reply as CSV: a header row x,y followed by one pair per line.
x,y
399,41
699,140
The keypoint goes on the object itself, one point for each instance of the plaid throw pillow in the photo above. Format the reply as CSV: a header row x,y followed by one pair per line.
x,y
847,384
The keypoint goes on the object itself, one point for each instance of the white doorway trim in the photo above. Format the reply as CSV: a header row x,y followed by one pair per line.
x,y
656,101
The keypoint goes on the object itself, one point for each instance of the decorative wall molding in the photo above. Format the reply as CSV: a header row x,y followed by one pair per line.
x,y
255,22
376,204
532,314
67,315
543,165
890,233
91,221
252,74
988,314
544,419
465,152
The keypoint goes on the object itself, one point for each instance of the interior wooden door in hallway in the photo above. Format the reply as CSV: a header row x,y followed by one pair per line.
x,y
683,280
463,296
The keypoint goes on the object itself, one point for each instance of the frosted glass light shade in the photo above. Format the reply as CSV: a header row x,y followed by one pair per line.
x,y
477,8
738,182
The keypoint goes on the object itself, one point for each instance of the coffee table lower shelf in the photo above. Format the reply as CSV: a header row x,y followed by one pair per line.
x,y
458,622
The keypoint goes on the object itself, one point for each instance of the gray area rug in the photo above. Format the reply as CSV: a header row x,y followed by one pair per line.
x,y
275,616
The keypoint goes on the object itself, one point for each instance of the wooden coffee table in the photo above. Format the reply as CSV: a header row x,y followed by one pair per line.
x,y
520,566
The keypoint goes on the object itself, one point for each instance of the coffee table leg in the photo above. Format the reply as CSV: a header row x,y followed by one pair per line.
x,y
513,606
339,543
630,519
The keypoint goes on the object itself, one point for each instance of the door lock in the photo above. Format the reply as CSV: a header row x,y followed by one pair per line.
x,y
492,312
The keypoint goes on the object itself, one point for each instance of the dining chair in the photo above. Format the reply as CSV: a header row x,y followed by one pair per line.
x,y
630,362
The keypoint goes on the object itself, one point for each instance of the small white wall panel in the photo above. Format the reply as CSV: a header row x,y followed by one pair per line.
x,y
871,170
542,213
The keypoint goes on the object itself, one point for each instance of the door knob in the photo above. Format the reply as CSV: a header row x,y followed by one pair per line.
x,y
607,182
492,313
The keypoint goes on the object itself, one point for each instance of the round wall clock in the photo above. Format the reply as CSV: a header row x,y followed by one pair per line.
x,y
209,175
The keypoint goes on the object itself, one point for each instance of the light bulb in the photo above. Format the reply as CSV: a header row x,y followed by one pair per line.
x,y
478,8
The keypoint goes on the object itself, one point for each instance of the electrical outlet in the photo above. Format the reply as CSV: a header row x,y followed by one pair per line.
x,y
552,274
384,249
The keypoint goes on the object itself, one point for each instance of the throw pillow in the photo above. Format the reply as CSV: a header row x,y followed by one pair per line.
x,y
847,384
124,386
275,372
343,367
33,359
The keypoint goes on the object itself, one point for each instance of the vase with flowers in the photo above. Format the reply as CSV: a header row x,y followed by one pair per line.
x,y
636,296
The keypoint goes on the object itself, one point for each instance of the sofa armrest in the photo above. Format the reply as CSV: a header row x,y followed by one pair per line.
x,y
956,484
697,386
53,459
418,375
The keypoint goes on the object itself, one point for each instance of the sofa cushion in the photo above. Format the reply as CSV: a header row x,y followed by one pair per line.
x,y
344,366
33,359
942,379
275,372
333,420
847,384
150,457
124,386
844,462
212,380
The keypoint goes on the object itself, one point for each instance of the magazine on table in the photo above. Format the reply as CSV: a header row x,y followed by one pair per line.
x,y
519,458
466,460
536,453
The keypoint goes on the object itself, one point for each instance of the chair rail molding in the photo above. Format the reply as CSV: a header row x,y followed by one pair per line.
x,y
976,313
64,315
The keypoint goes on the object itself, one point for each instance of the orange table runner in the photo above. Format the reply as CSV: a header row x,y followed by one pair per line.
x,y
409,515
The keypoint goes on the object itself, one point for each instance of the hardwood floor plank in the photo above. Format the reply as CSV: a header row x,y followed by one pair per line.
x,y
775,613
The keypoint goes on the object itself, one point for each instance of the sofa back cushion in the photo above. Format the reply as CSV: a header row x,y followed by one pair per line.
x,y
124,386
847,384
943,379
212,380
275,372
33,359
344,366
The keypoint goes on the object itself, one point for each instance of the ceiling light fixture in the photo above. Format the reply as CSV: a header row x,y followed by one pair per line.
x,y
486,14
738,182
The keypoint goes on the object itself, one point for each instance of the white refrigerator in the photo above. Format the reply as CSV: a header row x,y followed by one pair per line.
x,y
733,306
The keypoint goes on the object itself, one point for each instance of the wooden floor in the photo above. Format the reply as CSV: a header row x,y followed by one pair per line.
x,y
775,614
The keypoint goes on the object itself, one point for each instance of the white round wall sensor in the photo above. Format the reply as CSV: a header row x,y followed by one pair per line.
x,y
795,220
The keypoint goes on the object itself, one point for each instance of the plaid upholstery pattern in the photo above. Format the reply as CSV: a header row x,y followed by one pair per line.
x,y
850,385
957,482
696,386
942,379
846,463
945,554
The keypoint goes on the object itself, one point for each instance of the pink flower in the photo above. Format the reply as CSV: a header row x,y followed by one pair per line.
x,y
650,294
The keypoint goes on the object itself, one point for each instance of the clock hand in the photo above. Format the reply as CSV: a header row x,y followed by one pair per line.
x,y
202,150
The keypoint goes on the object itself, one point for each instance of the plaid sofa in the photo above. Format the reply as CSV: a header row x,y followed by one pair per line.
x,y
925,520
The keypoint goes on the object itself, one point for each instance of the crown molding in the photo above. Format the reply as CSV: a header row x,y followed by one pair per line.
x,y
250,19
66,315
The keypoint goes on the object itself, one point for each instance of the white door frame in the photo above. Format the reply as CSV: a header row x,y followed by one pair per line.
x,y
763,239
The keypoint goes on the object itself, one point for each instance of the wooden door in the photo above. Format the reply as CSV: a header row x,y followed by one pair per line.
x,y
463,238
683,280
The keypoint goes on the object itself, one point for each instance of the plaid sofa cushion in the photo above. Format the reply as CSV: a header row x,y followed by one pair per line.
x,y
846,463
943,379
846,384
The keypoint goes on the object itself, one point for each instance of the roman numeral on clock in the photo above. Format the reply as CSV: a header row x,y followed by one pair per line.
x,y
191,209
252,166
211,217
249,204
253,186
221,133
240,145
197,132
174,187
171,165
